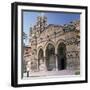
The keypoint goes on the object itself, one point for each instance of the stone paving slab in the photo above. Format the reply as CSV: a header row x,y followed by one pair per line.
x,y
51,73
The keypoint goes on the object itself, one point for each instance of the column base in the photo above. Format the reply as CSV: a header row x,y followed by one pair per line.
x,y
56,69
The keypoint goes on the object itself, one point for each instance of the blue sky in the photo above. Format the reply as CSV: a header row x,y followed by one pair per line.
x,y
58,18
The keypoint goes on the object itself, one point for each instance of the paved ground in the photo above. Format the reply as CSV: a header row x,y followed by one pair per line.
x,y
51,73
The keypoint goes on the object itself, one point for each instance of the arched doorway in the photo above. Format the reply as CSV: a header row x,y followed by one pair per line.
x,y
40,57
50,57
61,56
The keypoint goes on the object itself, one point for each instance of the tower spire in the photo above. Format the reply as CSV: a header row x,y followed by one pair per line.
x,y
42,14
41,22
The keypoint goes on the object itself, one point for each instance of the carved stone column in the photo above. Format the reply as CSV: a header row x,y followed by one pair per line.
x,y
56,59
37,64
45,63
45,60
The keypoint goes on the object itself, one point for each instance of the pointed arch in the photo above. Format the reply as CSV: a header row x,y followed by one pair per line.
x,y
49,42
50,57
61,53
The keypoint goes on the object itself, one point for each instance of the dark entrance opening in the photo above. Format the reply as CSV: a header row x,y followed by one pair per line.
x,y
40,57
61,56
50,57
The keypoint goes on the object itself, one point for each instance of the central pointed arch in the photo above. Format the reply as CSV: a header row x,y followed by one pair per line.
x,y
50,57
61,56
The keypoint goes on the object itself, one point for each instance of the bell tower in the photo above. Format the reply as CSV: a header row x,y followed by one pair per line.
x,y
41,23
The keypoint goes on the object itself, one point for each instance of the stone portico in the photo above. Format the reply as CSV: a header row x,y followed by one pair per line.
x,y
53,47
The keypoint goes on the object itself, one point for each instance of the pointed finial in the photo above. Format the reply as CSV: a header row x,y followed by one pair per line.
x,y
42,14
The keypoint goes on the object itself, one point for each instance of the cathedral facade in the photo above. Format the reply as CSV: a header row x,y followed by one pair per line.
x,y
53,47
